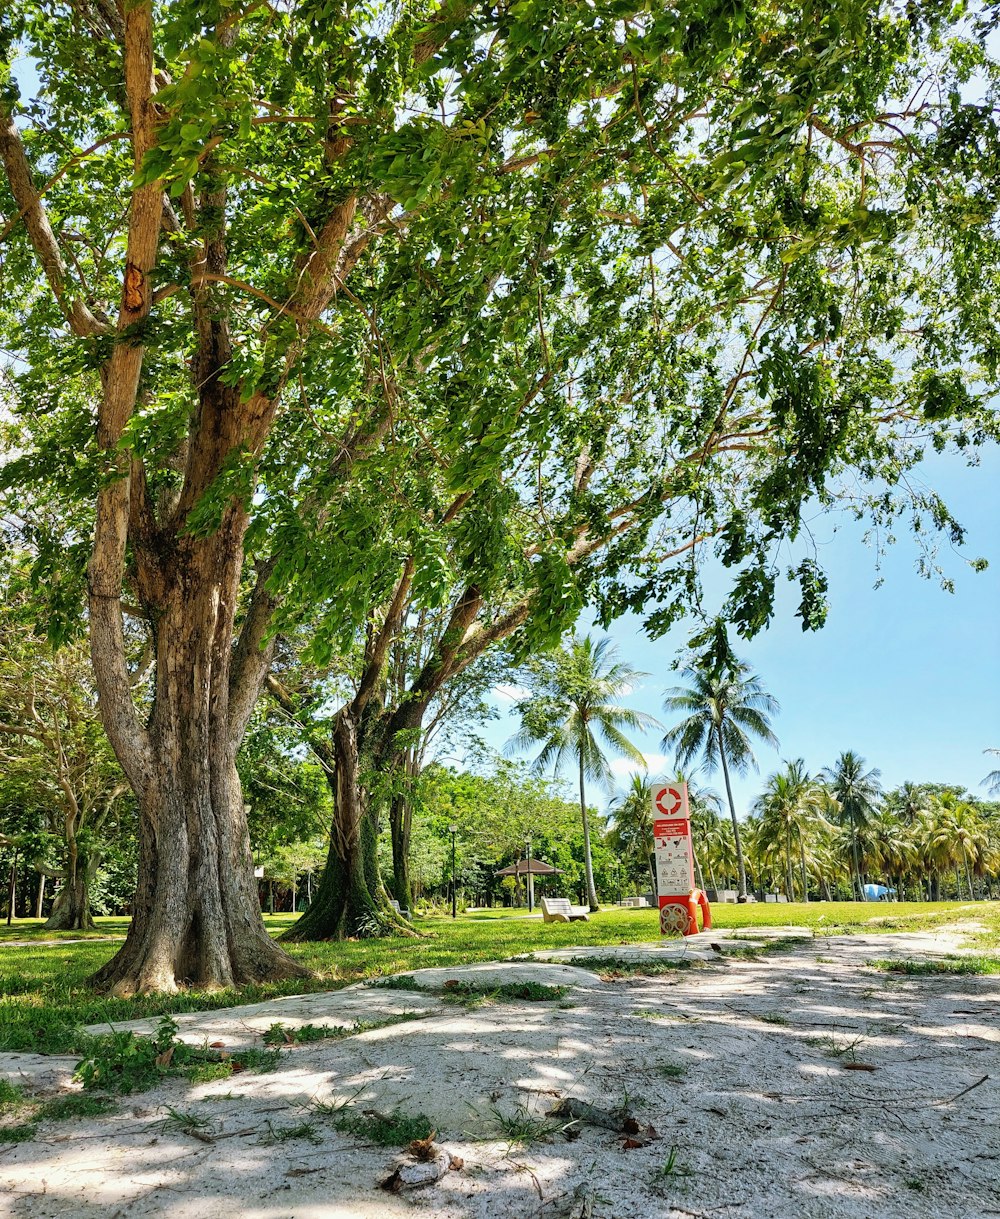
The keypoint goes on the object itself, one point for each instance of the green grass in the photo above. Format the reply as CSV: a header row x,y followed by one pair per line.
x,y
384,1129
44,999
939,965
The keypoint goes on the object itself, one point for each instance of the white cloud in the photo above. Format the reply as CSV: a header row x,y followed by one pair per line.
x,y
510,694
657,764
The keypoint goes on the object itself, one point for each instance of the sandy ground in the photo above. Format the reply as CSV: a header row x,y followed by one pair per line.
x,y
741,1066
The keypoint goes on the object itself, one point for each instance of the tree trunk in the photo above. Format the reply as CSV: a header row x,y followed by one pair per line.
x,y
350,901
71,905
196,917
789,890
802,861
741,866
41,895
588,863
400,827
968,873
862,896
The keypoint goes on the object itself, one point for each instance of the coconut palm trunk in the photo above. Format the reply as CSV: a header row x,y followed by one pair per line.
x,y
740,865
802,863
588,862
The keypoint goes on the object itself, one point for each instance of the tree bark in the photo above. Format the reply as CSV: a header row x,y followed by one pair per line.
x,y
588,863
350,901
41,895
197,918
71,905
400,828
741,866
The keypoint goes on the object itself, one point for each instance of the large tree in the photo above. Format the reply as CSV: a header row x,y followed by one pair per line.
x,y
493,308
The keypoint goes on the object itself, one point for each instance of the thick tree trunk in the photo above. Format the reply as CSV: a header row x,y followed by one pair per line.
x,y
588,863
196,918
71,905
350,901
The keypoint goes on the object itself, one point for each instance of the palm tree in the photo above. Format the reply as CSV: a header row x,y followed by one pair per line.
x,y
992,780
788,808
576,699
725,709
858,793
633,830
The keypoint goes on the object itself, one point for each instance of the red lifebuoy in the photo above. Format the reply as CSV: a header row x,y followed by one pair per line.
x,y
668,801
678,915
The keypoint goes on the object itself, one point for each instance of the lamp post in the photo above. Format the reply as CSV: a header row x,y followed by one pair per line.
x,y
453,829
531,886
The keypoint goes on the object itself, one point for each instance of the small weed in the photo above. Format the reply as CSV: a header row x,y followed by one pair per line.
x,y
23,1133
10,1096
397,982
79,1105
253,1059
188,1123
754,952
305,1130
522,1126
279,1034
122,1062
384,1129
611,968
671,1070
833,1048
208,1072
471,994
282,1035
915,1184
672,1166
773,1018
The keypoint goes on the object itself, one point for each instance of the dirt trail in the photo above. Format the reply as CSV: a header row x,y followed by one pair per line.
x,y
751,1072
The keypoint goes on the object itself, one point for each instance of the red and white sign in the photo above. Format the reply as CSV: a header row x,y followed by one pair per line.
x,y
675,888
669,801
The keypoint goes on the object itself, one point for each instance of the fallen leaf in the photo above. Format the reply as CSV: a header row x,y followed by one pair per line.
x,y
632,1144
423,1149
163,1060
631,1126
216,1045
858,1066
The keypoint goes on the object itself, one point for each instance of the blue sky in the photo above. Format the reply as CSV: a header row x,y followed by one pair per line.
x,y
906,674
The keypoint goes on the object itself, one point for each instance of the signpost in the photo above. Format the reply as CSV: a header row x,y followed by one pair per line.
x,y
677,896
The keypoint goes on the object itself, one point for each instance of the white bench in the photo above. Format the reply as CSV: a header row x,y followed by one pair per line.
x,y
558,910
395,905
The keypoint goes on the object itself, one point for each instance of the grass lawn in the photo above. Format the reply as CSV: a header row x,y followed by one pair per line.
x,y
43,1000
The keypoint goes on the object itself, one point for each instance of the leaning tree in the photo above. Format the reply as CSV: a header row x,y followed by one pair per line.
x,y
353,310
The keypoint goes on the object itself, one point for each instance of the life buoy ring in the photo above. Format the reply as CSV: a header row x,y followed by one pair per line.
x,y
679,915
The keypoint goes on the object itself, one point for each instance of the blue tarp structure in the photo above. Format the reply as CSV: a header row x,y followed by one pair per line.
x,y
878,893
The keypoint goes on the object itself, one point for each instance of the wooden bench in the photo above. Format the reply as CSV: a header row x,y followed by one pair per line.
x,y
558,910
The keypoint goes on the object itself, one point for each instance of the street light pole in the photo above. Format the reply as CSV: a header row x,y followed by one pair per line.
x,y
531,887
454,887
